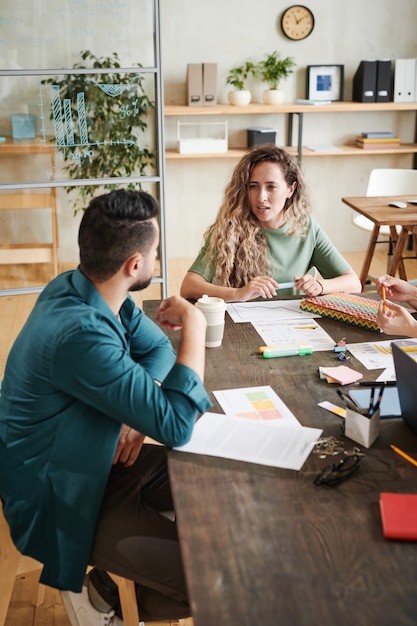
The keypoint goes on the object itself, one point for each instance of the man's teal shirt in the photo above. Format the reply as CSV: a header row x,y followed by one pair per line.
x,y
75,374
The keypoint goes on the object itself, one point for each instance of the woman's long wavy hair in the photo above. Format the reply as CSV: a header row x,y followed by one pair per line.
x,y
238,247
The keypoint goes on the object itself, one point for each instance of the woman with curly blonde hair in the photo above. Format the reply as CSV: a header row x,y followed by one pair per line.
x,y
264,235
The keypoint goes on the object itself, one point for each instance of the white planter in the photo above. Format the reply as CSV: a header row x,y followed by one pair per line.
x,y
273,96
240,98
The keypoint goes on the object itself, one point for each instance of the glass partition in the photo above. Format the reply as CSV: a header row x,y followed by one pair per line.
x,y
90,125
51,33
81,103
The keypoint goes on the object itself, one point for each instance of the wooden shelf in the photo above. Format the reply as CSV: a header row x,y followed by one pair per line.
x,y
35,252
25,146
353,150
171,110
344,150
289,109
235,153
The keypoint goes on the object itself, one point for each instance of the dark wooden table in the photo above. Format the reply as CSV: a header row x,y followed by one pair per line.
x,y
266,546
377,210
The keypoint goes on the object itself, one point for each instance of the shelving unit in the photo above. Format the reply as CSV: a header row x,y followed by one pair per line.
x,y
345,150
292,110
46,252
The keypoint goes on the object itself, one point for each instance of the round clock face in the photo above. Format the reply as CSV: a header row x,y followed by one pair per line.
x,y
297,22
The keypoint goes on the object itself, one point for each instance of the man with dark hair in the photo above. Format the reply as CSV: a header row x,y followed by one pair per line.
x,y
88,377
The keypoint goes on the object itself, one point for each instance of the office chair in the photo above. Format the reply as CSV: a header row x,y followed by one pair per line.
x,y
387,182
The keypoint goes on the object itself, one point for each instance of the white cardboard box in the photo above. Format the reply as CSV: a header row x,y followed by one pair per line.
x,y
202,137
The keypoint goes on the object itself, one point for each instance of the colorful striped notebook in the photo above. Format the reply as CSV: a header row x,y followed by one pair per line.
x,y
346,307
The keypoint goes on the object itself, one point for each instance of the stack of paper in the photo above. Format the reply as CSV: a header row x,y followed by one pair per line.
x,y
257,427
342,374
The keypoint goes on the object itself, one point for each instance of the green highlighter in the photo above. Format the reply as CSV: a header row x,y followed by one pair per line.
x,y
271,352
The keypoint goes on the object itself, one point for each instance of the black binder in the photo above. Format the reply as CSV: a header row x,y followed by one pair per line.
x,y
384,79
364,82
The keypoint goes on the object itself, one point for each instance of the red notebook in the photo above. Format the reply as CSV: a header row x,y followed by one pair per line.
x,y
399,515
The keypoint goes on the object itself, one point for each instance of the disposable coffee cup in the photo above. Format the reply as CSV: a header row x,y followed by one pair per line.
x,y
214,310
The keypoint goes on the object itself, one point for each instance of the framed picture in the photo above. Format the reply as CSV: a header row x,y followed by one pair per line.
x,y
325,82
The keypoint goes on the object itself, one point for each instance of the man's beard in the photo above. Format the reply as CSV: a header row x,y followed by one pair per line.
x,y
141,285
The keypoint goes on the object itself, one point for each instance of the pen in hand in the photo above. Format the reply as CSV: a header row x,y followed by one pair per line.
x,y
289,285
384,297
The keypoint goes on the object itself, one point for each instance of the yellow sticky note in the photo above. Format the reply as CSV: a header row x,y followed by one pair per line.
x,y
333,408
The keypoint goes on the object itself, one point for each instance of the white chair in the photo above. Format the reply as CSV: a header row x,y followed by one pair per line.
x,y
387,182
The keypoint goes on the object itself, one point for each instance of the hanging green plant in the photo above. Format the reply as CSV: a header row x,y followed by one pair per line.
x,y
99,121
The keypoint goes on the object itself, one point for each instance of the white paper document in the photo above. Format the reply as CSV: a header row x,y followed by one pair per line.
x,y
258,428
376,355
255,403
266,443
267,310
290,331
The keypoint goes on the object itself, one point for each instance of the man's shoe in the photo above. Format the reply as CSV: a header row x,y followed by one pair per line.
x,y
82,613
102,591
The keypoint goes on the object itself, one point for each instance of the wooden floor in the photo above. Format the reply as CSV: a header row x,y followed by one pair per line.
x,y
13,313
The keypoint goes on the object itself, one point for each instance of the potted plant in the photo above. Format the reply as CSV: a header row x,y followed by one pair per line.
x,y
115,113
272,70
237,78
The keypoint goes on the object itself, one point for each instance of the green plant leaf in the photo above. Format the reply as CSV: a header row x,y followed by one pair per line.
x,y
273,69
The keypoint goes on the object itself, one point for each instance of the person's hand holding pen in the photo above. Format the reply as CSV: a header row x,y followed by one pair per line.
x,y
309,284
394,319
397,289
258,287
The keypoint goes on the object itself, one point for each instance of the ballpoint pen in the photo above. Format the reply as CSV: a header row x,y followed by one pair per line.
x,y
350,402
377,383
375,407
289,285
371,401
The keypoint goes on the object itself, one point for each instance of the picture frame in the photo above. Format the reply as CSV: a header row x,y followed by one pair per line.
x,y
325,82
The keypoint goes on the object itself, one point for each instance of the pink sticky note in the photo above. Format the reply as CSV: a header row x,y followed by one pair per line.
x,y
342,374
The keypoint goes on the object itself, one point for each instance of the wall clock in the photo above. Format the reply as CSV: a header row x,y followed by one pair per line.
x,y
297,22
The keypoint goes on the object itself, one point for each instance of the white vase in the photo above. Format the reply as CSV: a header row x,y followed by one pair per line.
x,y
273,96
240,97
